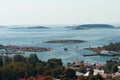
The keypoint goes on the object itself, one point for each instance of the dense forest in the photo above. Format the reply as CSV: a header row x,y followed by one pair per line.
x,y
18,66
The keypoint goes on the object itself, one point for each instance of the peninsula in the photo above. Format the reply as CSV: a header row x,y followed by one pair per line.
x,y
13,49
112,48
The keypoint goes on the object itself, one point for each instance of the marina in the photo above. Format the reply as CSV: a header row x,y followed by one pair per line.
x,y
12,49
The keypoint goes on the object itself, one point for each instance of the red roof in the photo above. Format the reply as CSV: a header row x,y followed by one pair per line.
x,y
36,78
40,78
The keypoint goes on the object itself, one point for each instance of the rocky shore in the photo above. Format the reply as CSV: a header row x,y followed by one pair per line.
x,y
30,49
65,41
97,50
102,51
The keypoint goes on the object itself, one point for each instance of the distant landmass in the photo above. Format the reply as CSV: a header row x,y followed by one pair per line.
x,y
38,27
65,41
32,27
90,26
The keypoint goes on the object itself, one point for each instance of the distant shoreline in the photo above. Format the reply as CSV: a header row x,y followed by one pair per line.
x,y
90,26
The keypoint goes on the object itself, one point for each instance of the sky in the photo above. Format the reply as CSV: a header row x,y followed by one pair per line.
x,y
35,12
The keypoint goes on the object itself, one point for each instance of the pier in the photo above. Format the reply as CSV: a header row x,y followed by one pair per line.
x,y
90,55
109,54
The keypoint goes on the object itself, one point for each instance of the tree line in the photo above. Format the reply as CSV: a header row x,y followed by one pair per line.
x,y
112,46
18,66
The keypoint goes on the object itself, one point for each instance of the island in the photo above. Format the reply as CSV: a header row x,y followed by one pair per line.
x,y
92,26
31,27
65,41
38,27
70,26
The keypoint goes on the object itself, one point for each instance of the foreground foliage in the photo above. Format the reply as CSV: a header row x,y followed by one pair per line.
x,y
18,66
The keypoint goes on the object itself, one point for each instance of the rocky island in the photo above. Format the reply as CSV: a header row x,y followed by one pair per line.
x,y
31,27
65,41
38,27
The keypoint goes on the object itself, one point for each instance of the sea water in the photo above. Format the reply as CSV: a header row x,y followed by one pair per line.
x,y
38,37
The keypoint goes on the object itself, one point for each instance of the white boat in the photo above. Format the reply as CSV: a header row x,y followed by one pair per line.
x,y
106,53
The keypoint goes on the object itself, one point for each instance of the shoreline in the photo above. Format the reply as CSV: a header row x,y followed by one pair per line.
x,y
101,51
13,49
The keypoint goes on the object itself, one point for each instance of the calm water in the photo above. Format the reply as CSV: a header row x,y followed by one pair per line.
x,y
37,37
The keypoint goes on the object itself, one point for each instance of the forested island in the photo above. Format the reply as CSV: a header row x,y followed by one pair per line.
x,y
65,41
90,26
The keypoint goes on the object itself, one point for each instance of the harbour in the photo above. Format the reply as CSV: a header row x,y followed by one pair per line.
x,y
37,37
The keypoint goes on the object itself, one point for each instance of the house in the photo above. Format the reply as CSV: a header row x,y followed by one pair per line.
x,y
116,76
79,74
96,71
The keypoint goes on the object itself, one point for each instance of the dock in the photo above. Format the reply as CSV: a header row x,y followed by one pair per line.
x,y
100,55
90,55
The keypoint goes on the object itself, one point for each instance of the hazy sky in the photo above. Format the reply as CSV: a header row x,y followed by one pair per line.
x,y
24,12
